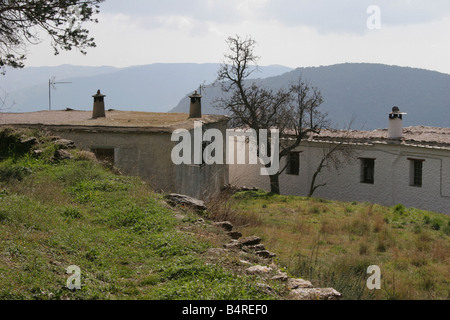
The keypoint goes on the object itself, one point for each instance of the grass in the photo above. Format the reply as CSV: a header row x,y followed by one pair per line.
x,y
333,243
130,245
125,239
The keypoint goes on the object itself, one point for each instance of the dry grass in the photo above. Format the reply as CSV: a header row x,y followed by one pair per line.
x,y
333,244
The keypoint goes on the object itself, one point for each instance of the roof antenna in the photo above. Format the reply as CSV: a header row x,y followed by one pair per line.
x,y
51,84
202,87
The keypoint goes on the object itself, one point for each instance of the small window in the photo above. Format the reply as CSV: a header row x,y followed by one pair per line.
x,y
104,154
416,172
367,171
293,167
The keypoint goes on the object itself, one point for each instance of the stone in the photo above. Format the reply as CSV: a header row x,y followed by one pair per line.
x,y
233,245
234,235
178,199
62,155
200,221
29,141
250,241
258,270
265,287
265,254
65,144
281,276
226,225
258,247
315,294
298,283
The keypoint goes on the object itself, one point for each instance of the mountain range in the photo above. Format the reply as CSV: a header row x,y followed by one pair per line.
x,y
154,88
363,92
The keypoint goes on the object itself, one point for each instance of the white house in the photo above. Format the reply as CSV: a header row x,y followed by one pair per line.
x,y
410,166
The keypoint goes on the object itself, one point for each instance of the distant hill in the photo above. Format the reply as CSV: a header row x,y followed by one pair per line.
x,y
156,87
365,91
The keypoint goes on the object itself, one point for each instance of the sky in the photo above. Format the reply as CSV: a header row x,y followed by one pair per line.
x,y
293,33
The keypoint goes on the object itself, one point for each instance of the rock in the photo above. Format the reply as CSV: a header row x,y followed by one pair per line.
x,y
258,247
200,221
258,270
29,141
62,155
235,235
236,245
178,199
265,254
315,294
65,144
265,287
226,225
281,276
250,241
298,283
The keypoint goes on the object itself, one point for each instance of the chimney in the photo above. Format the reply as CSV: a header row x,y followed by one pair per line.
x,y
396,124
99,105
196,106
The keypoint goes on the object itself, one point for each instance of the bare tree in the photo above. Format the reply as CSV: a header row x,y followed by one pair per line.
x,y
336,154
21,21
293,111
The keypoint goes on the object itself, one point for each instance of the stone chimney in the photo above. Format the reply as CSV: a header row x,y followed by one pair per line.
x,y
396,124
99,106
196,106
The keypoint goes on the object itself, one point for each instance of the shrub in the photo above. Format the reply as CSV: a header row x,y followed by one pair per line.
x,y
436,224
399,209
9,170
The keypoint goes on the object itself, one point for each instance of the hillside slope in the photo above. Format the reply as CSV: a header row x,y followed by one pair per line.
x,y
59,208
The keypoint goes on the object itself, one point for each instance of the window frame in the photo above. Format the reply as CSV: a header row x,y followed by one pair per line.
x,y
416,172
367,169
296,171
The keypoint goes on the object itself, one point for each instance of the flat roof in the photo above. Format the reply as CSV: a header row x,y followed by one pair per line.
x,y
125,120
420,136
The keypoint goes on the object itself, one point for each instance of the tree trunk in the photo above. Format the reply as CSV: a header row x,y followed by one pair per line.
x,y
275,184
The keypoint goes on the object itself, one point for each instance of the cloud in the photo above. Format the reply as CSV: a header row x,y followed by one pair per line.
x,y
351,15
326,16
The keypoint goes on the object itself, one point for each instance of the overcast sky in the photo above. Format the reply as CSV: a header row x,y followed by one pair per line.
x,y
294,33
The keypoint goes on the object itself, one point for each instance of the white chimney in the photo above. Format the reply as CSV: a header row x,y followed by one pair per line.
x,y
396,124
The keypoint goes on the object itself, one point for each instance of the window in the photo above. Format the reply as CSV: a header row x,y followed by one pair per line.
x,y
293,167
104,154
416,172
367,171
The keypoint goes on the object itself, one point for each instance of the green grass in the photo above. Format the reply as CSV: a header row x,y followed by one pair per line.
x,y
333,243
127,242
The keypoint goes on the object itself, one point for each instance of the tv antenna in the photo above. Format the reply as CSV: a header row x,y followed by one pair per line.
x,y
202,87
51,84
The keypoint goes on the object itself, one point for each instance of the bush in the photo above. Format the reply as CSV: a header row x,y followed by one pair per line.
x,y
11,145
436,224
9,170
400,209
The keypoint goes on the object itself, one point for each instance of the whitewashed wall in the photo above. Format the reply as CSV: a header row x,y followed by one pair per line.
x,y
392,177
